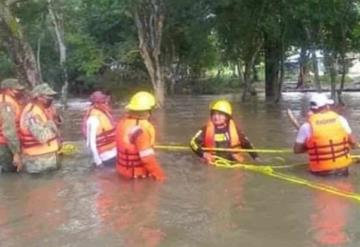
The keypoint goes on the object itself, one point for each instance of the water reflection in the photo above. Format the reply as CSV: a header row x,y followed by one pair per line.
x,y
129,208
331,215
198,205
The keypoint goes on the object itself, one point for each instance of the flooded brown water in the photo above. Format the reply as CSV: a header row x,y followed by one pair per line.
x,y
197,206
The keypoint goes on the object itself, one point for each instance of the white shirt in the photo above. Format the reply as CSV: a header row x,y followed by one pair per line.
x,y
91,127
305,130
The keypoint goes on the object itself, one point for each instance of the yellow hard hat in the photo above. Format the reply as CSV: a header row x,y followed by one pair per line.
x,y
141,101
223,106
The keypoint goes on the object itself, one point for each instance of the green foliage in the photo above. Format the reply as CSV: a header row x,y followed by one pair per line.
x,y
198,36
6,69
85,56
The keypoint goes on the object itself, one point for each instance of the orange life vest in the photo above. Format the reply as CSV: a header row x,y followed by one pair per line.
x,y
11,101
231,136
29,144
328,146
105,134
129,163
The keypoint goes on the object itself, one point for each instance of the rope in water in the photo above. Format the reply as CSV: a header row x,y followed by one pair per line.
x,y
269,171
235,150
68,149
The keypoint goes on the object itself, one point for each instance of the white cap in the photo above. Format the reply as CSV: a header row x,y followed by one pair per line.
x,y
318,100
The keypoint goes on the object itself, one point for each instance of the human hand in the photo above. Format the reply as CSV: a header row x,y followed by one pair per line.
x,y
208,157
98,162
159,176
17,162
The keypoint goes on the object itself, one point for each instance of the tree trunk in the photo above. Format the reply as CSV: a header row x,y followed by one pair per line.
x,y
316,70
302,68
281,79
149,20
59,31
255,73
343,77
247,80
20,50
38,52
314,60
272,66
240,71
330,60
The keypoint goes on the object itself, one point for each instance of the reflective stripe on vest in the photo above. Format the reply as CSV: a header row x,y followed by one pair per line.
x,y
211,139
8,99
328,146
127,153
29,144
105,133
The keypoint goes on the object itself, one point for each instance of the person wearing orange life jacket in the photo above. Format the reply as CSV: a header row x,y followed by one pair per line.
x,y
39,134
99,130
221,131
11,95
327,138
135,137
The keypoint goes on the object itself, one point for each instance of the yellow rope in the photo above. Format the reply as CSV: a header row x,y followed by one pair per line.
x,y
269,171
235,150
68,149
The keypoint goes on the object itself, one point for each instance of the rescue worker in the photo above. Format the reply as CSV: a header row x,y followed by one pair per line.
x,y
135,137
100,130
11,95
327,138
221,131
38,132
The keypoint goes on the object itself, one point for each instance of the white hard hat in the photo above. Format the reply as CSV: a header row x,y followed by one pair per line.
x,y
319,100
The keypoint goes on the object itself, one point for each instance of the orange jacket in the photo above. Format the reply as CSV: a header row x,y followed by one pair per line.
x,y
29,144
233,139
328,146
135,138
8,99
105,134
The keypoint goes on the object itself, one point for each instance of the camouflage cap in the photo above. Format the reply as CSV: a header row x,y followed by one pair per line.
x,y
42,89
12,83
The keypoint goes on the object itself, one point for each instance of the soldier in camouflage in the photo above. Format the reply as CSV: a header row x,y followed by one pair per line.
x,y
43,131
11,96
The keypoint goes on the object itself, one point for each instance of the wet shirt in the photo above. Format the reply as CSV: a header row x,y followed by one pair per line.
x,y
42,131
222,140
142,140
8,120
305,130
92,124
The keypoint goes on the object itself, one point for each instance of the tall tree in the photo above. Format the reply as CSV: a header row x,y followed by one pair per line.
x,y
14,40
57,20
149,18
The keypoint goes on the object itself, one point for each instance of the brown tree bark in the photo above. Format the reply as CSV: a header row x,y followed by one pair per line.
x,y
149,18
331,61
272,67
314,60
57,21
13,39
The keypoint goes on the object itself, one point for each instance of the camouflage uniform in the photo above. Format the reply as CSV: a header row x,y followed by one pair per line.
x,y
8,120
43,132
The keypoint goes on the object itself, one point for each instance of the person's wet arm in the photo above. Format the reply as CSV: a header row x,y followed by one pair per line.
x,y
197,142
246,144
142,140
300,142
9,128
43,132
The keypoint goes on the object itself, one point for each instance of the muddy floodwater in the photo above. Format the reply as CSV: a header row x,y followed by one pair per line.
x,y
198,205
